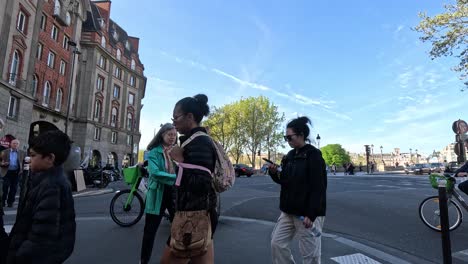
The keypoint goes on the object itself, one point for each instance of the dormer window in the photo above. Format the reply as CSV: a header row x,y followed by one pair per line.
x,y
103,41
127,45
115,35
57,8
68,19
102,23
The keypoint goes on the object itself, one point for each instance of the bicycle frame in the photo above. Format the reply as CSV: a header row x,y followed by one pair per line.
x,y
460,199
132,191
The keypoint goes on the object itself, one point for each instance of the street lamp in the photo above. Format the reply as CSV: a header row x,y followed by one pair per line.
x,y
417,158
381,154
72,71
372,151
318,140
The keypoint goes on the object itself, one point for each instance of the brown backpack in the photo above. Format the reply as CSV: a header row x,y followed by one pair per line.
x,y
190,233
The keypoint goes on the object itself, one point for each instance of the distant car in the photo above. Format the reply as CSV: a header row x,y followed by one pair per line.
x,y
418,169
437,167
242,169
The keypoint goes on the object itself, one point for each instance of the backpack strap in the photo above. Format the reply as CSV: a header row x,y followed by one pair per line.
x,y
187,166
196,134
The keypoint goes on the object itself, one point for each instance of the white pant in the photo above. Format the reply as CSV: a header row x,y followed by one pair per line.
x,y
310,239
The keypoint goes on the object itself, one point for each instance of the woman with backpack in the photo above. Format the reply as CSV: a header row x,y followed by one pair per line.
x,y
195,195
303,180
160,180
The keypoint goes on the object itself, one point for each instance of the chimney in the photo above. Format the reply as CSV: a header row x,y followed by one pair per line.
x,y
135,42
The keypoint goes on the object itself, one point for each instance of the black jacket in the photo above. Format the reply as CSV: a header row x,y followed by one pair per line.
x,y
196,191
44,232
303,181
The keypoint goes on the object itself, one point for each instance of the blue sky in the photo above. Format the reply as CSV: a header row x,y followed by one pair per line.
x,y
354,67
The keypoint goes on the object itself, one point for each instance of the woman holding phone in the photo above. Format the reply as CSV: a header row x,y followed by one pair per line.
x,y
303,179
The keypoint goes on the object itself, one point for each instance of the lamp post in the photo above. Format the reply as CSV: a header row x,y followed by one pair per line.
x,y
372,151
318,140
381,154
411,155
417,158
72,74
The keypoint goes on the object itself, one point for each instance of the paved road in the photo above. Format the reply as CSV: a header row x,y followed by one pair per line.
x,y
373,217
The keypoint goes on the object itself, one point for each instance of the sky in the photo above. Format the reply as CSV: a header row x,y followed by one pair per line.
x,y
355,68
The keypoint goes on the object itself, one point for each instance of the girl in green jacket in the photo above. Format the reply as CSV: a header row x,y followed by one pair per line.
x,y
161,178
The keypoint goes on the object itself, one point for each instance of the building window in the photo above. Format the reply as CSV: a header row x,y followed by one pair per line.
x,y
97,133
133,65
114,116
102,62
39,51
46,94
129,140
118,72
97,110
65,44
43,22
34,85
116,91
13,107
129,121
57,8
119,54
21,24
127,45
131,98
63,66
132,81
103,41
114,137
54,33
51,59
99,83
14,68
58,100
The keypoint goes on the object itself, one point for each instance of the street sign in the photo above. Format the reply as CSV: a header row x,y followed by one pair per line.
x,y
460,127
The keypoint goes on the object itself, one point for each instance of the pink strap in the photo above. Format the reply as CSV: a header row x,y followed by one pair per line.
x,y
188,166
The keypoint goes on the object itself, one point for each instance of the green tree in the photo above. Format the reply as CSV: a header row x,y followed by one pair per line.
x,y
246,126
448,33
334,153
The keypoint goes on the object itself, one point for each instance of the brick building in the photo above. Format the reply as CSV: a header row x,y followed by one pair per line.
x,y
111,90
67,58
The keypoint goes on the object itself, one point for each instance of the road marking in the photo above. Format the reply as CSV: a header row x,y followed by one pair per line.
x,y
371,251
355,259
462,255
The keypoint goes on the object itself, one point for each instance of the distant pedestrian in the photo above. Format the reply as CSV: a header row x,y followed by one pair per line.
x,y
195,195
303,181
160,180
333,168
360,166
44,231
345,169
11,167
372,167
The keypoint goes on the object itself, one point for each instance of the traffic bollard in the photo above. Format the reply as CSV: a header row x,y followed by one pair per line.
x,y
444,222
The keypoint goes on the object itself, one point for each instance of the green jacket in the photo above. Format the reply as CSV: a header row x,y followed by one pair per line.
x,y
157,180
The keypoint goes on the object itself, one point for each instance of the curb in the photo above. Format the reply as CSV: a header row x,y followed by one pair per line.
x,y
88,193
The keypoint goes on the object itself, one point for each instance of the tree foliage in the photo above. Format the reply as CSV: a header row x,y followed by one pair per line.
x,y
247,126
334,153
448,33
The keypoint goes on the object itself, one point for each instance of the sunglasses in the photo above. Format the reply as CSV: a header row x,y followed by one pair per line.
x,y
176,117
289,137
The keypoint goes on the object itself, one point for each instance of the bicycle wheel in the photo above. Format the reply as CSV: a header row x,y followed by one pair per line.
x,y
124,214
429,213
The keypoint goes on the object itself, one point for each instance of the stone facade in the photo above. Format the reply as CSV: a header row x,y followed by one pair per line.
x,y
37,95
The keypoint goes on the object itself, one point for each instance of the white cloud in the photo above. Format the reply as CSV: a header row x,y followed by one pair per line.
x,y
409,98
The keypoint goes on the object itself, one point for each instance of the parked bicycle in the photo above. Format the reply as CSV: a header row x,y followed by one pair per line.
x,y
429,211
124,209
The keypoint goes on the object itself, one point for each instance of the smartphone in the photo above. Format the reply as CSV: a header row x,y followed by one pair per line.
x,y
269,161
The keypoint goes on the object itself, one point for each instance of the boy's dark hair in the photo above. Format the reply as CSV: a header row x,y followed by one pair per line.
x,y
52,142
299,126
197,105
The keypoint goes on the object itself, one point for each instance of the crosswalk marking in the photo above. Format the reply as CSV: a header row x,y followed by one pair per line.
x,y
355,259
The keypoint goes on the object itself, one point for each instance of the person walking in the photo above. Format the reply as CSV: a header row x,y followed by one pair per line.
x,y
303,181
160,180
11,167
333,168
45,227
195,191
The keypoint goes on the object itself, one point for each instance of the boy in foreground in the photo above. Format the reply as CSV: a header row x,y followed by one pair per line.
x,y
45,228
